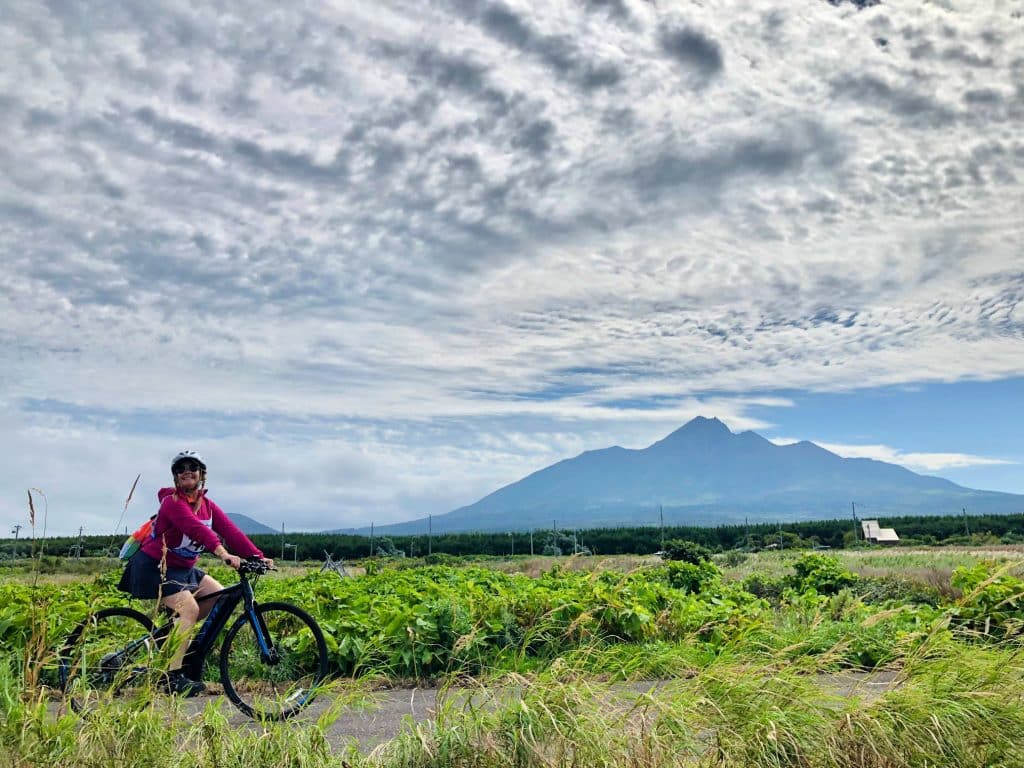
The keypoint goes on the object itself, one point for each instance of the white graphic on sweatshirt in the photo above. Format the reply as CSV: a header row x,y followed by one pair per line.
x,y
191,549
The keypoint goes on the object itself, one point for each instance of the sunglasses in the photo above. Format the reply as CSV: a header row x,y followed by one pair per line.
x,y
186,466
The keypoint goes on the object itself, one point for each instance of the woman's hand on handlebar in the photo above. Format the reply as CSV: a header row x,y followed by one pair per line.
x,y
233,561
269,562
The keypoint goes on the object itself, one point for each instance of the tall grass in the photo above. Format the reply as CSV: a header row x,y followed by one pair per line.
x,y
759,699
950,707
951,704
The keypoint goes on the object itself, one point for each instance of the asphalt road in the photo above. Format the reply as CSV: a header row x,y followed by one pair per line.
x,y
382,717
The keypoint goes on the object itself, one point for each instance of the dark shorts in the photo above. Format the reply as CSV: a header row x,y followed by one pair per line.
x,y
141,578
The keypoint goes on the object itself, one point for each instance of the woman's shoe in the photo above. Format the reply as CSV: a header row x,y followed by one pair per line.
x,y
178,683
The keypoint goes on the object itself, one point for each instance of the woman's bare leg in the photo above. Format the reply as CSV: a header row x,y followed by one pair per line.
x,y
207,586
187,609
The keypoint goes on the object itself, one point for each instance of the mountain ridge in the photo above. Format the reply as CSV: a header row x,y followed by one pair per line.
x,y
247,525
702,473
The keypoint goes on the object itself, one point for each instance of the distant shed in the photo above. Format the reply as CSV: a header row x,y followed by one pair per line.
x,y
876,535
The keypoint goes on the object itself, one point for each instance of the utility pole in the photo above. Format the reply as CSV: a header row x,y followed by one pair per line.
x,y
531,542
282,541
856,533
661,514
780,536
371,539
430,535
746,525
512,536
967,528
16,530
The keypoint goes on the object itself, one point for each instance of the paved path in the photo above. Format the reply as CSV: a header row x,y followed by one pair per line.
x,y
383,719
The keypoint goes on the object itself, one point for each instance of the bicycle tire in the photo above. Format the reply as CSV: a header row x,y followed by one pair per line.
x,y
266,690
104,654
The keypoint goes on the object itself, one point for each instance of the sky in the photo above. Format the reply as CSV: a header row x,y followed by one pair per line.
x,y
375,260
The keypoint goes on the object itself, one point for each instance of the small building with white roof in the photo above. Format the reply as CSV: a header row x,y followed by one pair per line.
x,y
874,534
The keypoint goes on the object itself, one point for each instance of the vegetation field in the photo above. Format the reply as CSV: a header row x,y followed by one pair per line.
x,y
738,643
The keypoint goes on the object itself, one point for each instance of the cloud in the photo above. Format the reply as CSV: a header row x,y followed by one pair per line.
x,y
910,103
616,8
560,53
777,152
312,230
692,49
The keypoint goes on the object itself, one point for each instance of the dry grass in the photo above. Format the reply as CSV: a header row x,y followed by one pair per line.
x,y
930,566
534,566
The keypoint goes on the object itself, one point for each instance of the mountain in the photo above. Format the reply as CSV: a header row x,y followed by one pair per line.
x,y
249,526
703,474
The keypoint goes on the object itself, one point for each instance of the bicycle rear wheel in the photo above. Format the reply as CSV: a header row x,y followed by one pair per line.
x,y
109,652
276,681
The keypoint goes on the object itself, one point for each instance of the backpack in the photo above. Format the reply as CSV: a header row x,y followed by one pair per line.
x,y
132,543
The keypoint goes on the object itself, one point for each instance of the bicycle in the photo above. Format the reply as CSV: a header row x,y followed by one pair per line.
x,y
271,660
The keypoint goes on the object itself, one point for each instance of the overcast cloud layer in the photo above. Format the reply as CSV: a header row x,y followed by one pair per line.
x,y
377,259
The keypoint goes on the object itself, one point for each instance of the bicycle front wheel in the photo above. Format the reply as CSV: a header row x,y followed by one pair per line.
x,y
109,652
271,672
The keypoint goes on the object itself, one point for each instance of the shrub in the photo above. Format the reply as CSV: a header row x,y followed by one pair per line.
x,y
441,558
764,587
686,551
734,558
387,548
883,589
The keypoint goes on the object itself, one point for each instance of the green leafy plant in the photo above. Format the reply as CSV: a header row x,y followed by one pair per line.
x,y
820,573
993,600
691,577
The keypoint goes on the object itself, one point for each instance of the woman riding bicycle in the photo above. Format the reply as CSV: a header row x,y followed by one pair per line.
x,y
187,524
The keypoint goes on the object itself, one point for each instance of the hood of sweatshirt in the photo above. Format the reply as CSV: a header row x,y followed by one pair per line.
x,y
163,493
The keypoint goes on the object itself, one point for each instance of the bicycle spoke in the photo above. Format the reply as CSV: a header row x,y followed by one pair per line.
x,y
107,653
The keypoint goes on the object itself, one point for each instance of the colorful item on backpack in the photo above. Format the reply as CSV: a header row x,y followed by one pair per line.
x,y
132,543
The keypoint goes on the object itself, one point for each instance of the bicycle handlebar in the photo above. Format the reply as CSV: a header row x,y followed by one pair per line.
x,y
255,566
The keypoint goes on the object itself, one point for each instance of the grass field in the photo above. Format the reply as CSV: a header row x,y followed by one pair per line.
x,y
740,672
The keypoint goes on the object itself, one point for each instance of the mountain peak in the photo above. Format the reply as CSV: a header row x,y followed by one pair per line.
x,y
698,428
703,422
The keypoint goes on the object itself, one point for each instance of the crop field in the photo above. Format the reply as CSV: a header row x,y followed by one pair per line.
x,y
584,661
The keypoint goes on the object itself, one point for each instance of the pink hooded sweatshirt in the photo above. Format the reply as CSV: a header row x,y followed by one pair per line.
x,y
188,534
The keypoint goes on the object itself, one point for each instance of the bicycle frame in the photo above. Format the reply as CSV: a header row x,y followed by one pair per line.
x,y
202,643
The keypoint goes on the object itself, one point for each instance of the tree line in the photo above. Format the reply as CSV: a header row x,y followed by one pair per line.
x,y
835,534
